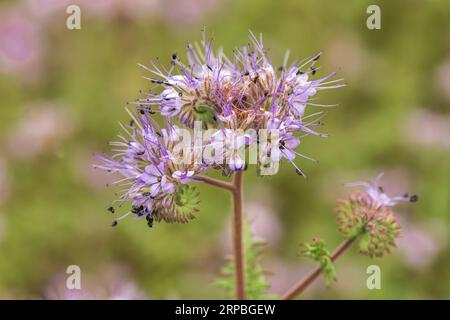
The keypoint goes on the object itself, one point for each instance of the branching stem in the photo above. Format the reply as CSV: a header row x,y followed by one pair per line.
x,y
215,182
237,233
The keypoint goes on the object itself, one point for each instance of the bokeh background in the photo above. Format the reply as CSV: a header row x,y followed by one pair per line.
x,y
64,91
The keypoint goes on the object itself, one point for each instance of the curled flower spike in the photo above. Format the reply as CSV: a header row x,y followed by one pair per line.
x,y
153,181
368,215
360,216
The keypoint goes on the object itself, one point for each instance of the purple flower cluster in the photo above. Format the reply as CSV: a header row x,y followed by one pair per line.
x,y
229,96
151,176
242,93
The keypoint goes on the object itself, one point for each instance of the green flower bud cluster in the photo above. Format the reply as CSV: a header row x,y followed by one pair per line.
x,y
374,225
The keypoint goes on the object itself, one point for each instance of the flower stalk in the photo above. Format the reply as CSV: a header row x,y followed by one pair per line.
x,y
215,182
236,188
237,234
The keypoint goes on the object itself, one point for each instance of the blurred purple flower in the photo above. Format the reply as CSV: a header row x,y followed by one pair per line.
x,y
182,12
41,129
264,222
4,182
262,218
2,226
442,80
282,273
420,245
427,128
348,53
43,10
21,45
114,284
134,9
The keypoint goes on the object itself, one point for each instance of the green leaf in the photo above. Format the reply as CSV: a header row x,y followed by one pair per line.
x,y
256,284
317,251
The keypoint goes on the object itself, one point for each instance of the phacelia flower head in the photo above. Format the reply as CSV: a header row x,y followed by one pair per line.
x,y
244,92
368,215
240,99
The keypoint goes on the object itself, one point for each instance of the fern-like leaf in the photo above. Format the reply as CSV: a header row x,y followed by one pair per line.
x,y
256,284
317,251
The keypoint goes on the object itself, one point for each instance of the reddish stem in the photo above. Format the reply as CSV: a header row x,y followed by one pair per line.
x,y
238,249
237,222
215,182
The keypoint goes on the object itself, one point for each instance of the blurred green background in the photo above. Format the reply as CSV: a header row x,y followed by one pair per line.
x,y
64,91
